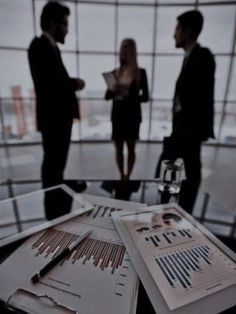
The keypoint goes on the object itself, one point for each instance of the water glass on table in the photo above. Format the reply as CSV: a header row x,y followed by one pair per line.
x,y
170,181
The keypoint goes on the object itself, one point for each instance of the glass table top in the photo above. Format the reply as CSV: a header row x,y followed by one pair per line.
x,y
29,206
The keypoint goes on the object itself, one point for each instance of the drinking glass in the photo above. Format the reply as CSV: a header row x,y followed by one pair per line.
x,y
170,180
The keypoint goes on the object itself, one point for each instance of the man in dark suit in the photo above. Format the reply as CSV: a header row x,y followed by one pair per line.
x,y
56,102
193,106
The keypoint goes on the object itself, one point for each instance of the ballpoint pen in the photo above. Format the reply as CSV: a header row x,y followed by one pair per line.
x,y
59,258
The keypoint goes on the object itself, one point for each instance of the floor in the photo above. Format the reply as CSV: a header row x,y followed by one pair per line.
x,y
96,161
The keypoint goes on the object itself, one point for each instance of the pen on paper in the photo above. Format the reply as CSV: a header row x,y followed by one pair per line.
x,y
59,258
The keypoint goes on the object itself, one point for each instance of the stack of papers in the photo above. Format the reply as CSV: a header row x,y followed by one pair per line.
x,y
183,267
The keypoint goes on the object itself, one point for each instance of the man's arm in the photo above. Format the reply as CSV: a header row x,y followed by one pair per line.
x,y
198,97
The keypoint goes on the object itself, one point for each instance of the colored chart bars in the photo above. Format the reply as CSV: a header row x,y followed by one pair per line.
x,y
177,267
162,239
101,253
100,211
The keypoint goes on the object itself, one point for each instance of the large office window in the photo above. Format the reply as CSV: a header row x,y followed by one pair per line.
x,y
96,31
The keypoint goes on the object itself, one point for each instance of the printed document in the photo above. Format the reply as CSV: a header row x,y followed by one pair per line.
x,y
98,276
110,79
178,260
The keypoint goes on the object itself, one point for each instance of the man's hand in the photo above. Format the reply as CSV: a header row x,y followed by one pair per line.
x,y
80,83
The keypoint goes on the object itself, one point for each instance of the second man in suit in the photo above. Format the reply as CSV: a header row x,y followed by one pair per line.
x,y
193,106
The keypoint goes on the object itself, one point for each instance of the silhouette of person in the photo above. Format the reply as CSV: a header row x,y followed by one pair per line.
x,y
130,90
56,102
193,106
56,203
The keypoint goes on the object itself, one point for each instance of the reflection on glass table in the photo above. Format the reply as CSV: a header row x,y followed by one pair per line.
x,y
29,211
25,214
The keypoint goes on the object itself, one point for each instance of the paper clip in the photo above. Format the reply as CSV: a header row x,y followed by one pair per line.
x,y
16,304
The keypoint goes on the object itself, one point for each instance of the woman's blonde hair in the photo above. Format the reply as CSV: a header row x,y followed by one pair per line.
x,y
129,46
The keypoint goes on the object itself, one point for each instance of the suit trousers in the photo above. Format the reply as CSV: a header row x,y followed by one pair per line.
x,y
56,141
189,149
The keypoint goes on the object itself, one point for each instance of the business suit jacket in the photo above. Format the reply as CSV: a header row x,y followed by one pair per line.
x,y
55,90
129,108
195,92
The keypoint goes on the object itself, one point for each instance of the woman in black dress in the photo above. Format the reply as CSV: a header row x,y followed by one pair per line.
x,y
127,94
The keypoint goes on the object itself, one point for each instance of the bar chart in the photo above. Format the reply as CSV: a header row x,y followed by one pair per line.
x,y
101,254
163,239
198,269
177,268
184,262
96,277
100,211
